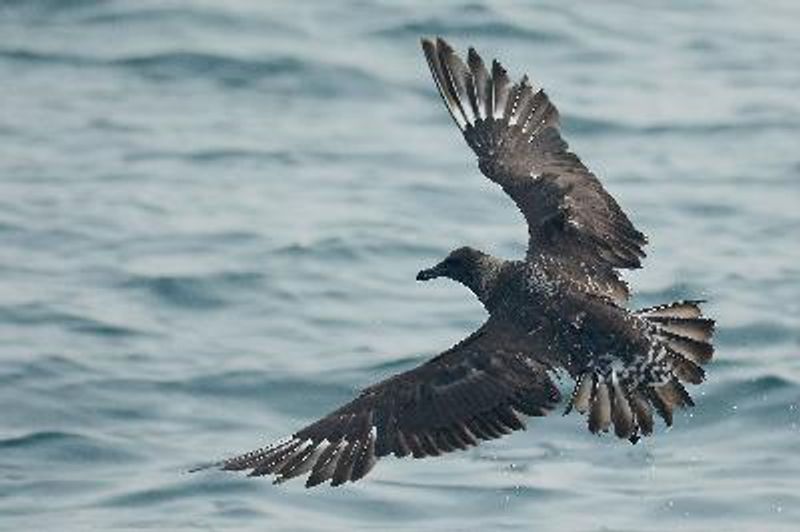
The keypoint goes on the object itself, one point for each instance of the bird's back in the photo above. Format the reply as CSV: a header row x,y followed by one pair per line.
x,y
579,325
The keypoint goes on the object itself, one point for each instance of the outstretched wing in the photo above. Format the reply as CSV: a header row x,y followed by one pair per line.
x,y
514,131
473,391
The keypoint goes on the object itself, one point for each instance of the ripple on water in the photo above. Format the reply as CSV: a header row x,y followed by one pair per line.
x,y
64,447
758,334
276,73
33,314
190,487
165,303
450,26
206,292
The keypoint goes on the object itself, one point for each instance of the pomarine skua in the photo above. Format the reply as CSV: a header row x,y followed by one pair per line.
x,y
560,309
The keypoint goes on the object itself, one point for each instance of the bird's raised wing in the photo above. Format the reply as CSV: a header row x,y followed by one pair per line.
x,y
514,131
471,392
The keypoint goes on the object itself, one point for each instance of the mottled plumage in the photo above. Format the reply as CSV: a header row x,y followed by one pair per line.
x,y
559,309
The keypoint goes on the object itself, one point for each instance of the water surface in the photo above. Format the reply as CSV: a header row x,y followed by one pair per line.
x,y
211,217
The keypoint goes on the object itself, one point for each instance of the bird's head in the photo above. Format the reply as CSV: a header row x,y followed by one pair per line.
x,y
472,268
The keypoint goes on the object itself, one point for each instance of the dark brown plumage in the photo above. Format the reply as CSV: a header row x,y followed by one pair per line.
x,y
561,308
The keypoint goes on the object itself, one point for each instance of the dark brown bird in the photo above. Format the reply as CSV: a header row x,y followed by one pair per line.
x,y
562,308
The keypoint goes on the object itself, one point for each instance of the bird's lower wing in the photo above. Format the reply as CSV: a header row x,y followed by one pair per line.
x,y
474,391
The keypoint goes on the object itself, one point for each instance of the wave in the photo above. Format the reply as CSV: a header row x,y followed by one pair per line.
x,y
191,486
360,249
448,27
217,155
65,446
251,384
589,126
286,72
195,17
37,315
50,6
57,58
184,63
758,334
280,73
198,292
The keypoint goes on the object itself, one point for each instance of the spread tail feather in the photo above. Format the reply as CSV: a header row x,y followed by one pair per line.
x,y
625,398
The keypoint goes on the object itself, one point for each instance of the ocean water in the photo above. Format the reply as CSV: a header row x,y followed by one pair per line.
x,y
211,216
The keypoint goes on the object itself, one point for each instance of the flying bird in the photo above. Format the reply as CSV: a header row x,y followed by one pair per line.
x,y
561,309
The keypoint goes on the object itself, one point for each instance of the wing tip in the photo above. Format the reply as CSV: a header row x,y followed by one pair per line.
x,y
443,44
206,466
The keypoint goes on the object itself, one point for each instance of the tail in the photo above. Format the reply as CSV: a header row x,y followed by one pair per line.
x,y
680,345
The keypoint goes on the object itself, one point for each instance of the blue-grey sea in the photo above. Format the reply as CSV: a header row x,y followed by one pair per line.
x,y
212,213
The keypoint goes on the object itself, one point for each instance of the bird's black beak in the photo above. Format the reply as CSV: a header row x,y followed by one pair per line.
x,y
430,273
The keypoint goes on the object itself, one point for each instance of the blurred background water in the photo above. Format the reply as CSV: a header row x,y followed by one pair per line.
x,y
211,215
